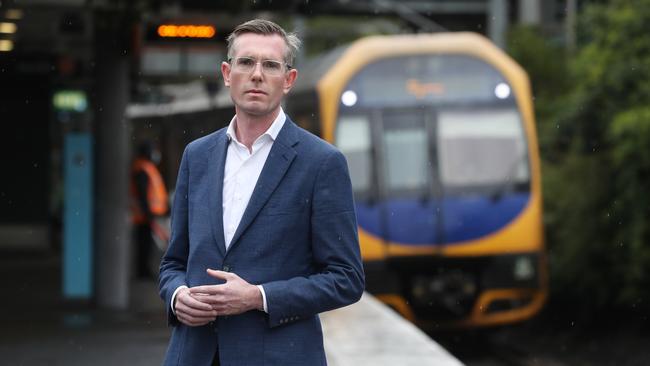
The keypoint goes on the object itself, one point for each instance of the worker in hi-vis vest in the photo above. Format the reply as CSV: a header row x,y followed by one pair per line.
x,y
149,200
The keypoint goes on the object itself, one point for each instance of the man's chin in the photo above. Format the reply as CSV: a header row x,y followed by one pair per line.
x,y
256,109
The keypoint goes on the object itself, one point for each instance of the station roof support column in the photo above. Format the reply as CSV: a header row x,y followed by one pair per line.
x,y
498,21
530,12
113,234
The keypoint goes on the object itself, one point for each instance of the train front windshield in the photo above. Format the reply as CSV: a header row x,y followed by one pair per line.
x,y
424,135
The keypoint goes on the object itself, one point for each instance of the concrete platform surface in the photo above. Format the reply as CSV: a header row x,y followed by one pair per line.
x,y
370,333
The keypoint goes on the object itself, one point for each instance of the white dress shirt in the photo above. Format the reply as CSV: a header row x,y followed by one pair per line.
x,y
241,172
243,168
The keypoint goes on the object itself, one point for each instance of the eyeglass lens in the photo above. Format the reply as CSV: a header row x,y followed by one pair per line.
x,y
247,64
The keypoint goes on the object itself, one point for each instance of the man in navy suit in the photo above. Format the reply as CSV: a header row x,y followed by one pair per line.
x,y
264,234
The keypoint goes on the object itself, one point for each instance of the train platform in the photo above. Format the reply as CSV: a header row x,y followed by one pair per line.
x,y
40,328
370,333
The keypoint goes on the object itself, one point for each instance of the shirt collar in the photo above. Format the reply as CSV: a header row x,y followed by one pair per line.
x,y
272,131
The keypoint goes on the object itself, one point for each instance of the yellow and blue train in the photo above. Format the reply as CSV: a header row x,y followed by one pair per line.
x,y
440,139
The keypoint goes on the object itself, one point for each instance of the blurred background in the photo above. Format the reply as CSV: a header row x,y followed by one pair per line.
x,y
501,176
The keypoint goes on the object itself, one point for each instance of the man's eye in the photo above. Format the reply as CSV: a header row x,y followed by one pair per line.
x,y
272,65
246,62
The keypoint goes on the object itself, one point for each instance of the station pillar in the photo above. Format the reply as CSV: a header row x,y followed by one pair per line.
x,y
113,234
530,12
498,22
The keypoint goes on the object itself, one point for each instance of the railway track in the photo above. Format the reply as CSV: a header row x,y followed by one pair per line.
x,y
484,348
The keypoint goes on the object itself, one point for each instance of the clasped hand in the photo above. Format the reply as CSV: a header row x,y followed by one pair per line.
x,y
199,305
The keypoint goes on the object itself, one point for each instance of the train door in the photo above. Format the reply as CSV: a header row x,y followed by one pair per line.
x,y
407,168
411,214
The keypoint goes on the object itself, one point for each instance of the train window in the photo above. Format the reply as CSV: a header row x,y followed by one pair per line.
x,y
427,79
405,149
353,139
481,148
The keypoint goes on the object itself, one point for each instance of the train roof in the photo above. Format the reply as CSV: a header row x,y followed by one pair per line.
x,y
316,72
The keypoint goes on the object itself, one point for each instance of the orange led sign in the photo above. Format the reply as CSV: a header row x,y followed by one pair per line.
x,y
186,31
420,90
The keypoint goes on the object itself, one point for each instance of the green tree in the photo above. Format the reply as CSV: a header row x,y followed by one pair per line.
x,y
594,127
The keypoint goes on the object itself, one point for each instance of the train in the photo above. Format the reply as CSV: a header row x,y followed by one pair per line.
x,y
439,134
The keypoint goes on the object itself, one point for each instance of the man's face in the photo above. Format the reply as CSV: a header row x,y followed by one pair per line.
x,y
257,93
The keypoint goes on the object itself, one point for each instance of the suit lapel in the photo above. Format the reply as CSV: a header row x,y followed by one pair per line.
x,y
216,165
280,158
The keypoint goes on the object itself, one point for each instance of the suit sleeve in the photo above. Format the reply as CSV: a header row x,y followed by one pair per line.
x,y
174,263
335,247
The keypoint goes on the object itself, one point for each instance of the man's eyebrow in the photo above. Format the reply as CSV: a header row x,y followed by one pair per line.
x,y
258,58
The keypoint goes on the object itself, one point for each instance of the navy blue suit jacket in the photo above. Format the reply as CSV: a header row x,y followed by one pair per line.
x,y
297,238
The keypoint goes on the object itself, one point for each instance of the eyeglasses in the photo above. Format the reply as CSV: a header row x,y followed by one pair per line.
x,y
269,67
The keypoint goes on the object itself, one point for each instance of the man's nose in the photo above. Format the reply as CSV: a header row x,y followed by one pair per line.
x,y
257,70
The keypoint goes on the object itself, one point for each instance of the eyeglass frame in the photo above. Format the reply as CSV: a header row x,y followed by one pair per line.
x,y
230,61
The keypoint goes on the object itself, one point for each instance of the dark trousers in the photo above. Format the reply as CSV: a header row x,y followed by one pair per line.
x,y
144,243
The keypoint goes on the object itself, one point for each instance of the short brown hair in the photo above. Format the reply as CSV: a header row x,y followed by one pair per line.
x,y
266,27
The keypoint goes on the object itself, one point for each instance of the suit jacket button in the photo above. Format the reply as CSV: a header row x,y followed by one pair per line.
x,y
226,268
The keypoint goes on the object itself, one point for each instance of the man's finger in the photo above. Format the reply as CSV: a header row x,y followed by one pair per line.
x,y
186,310
221,309
205,290
192,302
219,274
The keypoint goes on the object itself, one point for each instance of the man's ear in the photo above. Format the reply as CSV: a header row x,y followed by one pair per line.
x,y
290,79
225,72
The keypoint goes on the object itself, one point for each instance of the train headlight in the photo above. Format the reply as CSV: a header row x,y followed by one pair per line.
x,y
349,98
523,269
502,91
509,271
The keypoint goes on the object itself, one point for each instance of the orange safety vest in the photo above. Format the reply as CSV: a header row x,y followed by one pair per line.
x,y
156,191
